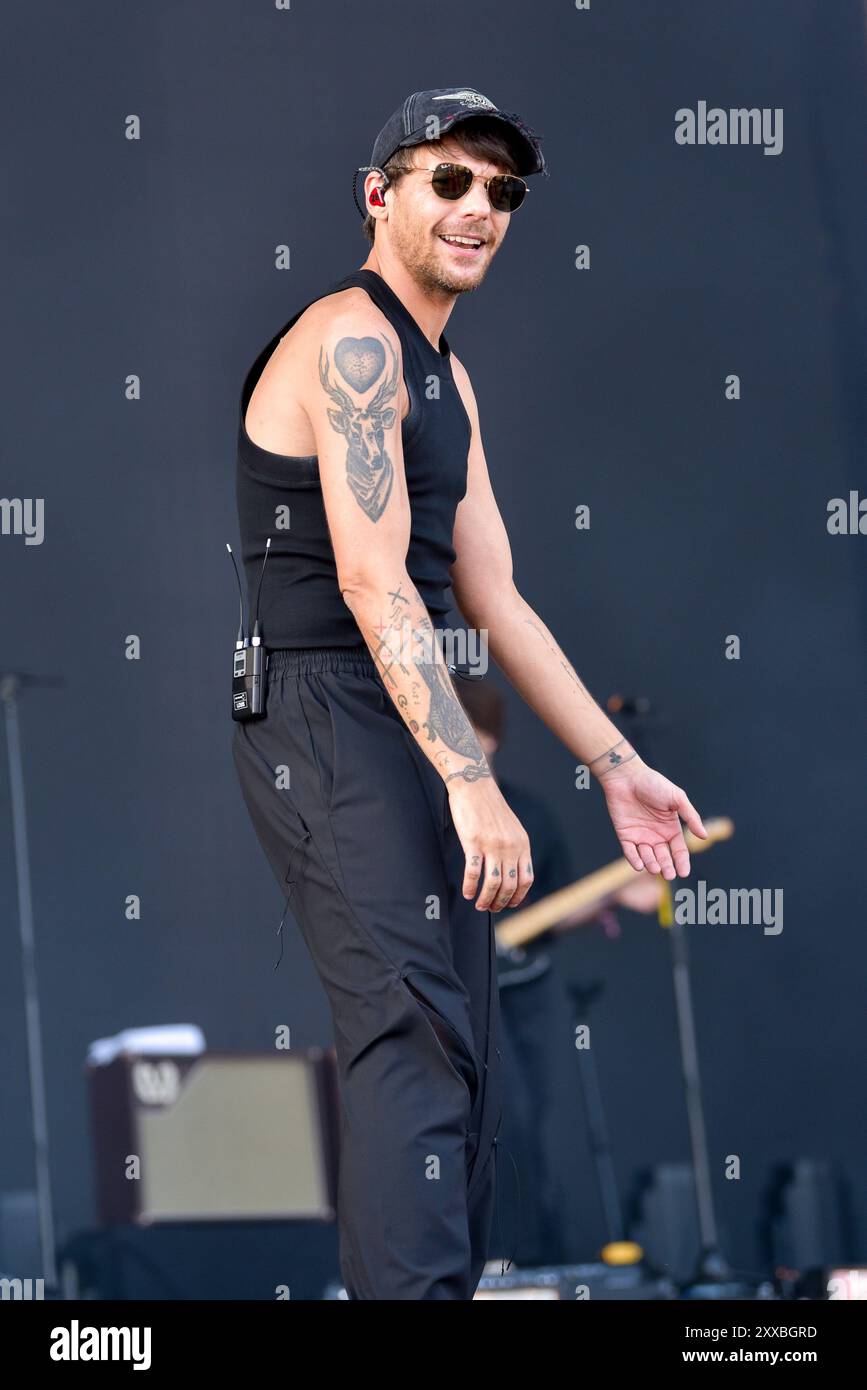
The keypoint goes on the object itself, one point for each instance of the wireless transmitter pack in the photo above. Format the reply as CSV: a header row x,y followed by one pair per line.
x,y
249,659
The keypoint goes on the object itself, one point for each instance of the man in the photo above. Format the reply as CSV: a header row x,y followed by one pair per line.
x,y
360,455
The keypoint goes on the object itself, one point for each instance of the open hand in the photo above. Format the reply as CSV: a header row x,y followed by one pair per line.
x,y
645,810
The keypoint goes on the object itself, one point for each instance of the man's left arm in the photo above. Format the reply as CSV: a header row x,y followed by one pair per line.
x,y
644,806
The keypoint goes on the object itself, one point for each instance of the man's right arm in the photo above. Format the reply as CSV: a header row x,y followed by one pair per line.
x,y
351,391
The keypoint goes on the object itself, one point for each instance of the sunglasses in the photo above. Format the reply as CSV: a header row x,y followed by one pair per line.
x,y
505,191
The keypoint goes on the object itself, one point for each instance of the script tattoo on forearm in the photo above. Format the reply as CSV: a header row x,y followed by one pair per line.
x,y
361,363
405,651
563,662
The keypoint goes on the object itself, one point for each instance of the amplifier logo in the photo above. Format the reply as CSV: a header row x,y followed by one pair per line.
x,y
156,1083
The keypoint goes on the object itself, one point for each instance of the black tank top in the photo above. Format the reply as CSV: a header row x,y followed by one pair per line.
x,y
280,495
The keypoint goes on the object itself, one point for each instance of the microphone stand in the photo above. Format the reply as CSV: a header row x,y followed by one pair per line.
x,y
11,682
583,995
713,1277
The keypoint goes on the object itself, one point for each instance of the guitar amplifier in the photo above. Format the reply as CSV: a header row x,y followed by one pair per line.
x,y
214,1137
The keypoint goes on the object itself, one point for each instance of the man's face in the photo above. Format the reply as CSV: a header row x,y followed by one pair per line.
x,y
419,220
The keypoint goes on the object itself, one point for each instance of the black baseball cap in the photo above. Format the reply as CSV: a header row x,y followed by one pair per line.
x,y
425,116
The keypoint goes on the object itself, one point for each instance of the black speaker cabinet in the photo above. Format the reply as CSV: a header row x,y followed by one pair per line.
x,y
215,1137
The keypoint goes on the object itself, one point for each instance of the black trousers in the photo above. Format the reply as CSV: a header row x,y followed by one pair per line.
x,y
355,823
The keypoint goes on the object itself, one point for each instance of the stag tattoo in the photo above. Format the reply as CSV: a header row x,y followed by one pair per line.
x,y
369,470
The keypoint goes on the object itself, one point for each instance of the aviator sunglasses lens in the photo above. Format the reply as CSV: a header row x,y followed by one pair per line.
x,y
506,193
451,180
504,190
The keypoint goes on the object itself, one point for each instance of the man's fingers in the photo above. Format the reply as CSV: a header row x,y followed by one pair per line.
x,y
507,888
680,854
648,858
492,884
631,855
688,813
525,879
498,878
472,873
663,858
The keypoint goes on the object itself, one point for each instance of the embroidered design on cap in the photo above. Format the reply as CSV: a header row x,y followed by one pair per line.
x,y
471,99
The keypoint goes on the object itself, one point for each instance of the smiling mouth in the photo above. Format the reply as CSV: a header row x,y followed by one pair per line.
x,y
463,245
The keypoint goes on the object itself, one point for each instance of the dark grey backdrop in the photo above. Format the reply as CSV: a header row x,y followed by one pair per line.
x,y
156,257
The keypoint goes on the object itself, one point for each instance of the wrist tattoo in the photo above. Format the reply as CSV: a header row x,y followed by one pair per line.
x,y
471,773
613,757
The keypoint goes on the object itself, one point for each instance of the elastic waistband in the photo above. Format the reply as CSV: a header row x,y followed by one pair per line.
x,y
304,661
